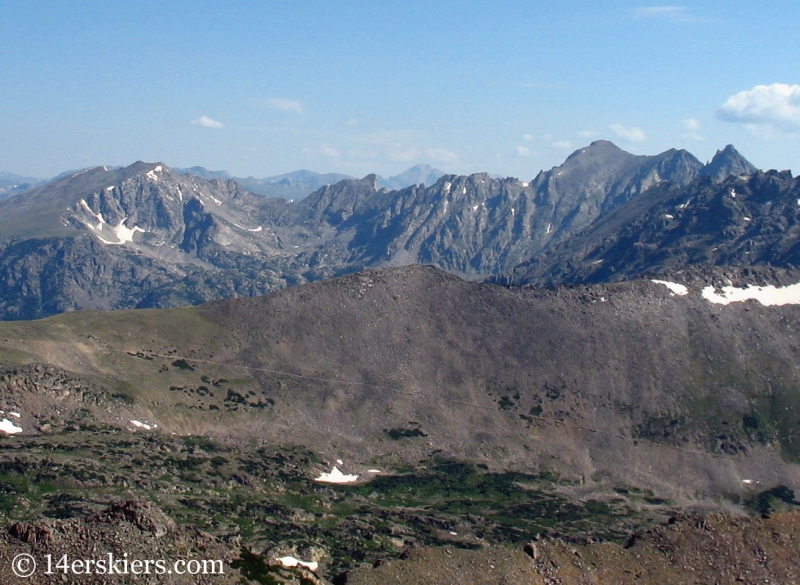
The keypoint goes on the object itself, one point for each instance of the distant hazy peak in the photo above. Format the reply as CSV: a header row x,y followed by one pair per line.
x,y
418,174
11,177
203,173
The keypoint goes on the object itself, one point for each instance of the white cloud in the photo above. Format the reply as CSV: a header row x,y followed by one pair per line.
x,y
562,144
588,134
528,137
523,151
692,126
630,134
352,122
207,122
285,105
767,110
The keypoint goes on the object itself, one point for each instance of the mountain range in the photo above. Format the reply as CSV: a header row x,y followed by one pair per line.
x,y
145,236
295,185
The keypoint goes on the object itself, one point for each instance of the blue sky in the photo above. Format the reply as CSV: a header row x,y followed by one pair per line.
x,y
259,88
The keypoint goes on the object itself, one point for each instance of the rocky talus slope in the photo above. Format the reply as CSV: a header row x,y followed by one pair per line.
x,y
458,414
695,550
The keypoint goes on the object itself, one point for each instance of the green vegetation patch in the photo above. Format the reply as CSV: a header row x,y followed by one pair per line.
x,y
404,433
766,502
268,498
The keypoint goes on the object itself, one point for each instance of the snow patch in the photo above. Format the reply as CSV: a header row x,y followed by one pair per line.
x,y
446,187
747,219
258,229
335,476
549,228
142,425
524,185
111,188
97,216
9,427
289,561
475,207
733,193
766,295
373,471
152,174
677,289
124,233
668,216
15,414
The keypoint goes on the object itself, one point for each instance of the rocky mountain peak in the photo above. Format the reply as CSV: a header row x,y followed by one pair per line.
x,y
727,162
603,145
336,203
598,153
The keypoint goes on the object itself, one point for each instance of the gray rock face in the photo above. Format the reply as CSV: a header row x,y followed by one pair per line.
x,y
140,236
744,220
478,225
